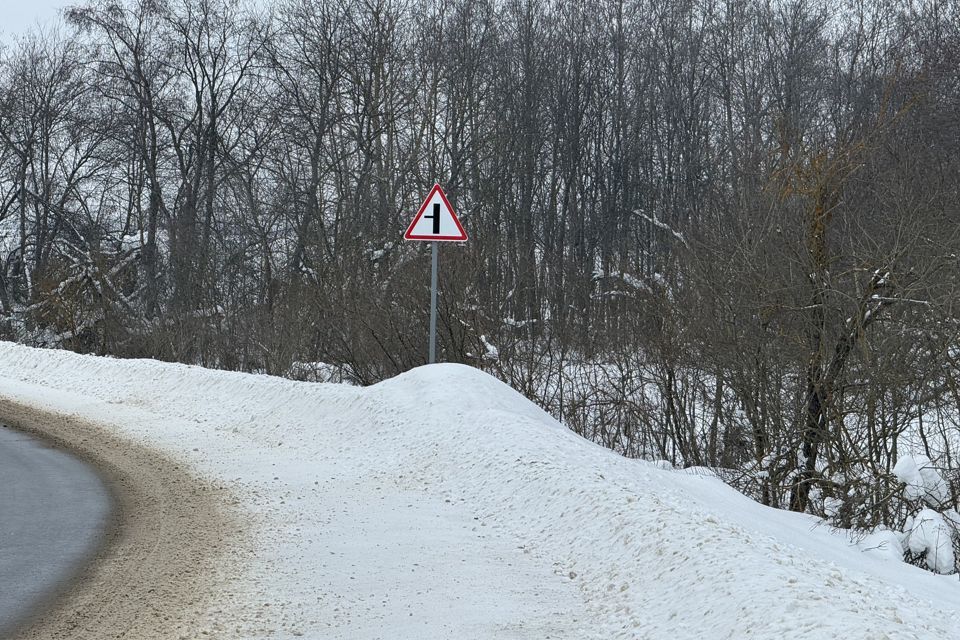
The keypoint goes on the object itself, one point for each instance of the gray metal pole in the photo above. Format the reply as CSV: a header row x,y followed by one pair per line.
x,y
433,305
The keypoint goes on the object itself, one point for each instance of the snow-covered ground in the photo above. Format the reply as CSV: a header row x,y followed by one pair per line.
x,y
442,504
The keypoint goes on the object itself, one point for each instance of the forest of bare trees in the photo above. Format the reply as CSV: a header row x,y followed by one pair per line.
x,y
720,233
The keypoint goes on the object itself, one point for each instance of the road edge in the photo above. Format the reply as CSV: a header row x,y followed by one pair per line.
x,y
170,550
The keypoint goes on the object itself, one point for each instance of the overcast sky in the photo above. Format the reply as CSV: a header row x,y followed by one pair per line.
x,y
19,15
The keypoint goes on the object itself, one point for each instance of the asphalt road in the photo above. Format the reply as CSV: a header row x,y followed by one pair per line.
x,y
53,513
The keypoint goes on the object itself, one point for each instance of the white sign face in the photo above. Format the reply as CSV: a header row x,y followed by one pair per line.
x,y
436,220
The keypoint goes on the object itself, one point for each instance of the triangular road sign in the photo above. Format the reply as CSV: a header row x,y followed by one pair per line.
x,y
436,220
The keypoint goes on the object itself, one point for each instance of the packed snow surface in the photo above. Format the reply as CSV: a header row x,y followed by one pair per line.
x,y
442,504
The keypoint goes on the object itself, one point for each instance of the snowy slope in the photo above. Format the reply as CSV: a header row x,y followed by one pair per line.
x,y
442,504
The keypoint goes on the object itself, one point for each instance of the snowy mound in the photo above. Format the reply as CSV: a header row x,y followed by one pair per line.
x,y
442,504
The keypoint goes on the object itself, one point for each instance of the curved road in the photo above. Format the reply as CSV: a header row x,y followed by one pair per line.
x,y
53,513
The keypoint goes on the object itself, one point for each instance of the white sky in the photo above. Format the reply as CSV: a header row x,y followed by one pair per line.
x,y
18,16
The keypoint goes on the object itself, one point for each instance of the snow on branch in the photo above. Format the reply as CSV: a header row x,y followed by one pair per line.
x,y
655,221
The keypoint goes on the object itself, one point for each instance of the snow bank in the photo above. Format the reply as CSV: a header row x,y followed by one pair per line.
x,y
884,544
442,504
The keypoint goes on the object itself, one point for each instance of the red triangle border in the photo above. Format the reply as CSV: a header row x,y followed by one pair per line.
x,y
443,196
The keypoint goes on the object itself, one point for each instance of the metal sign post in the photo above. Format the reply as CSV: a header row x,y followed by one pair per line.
x,y
433,303
441,224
